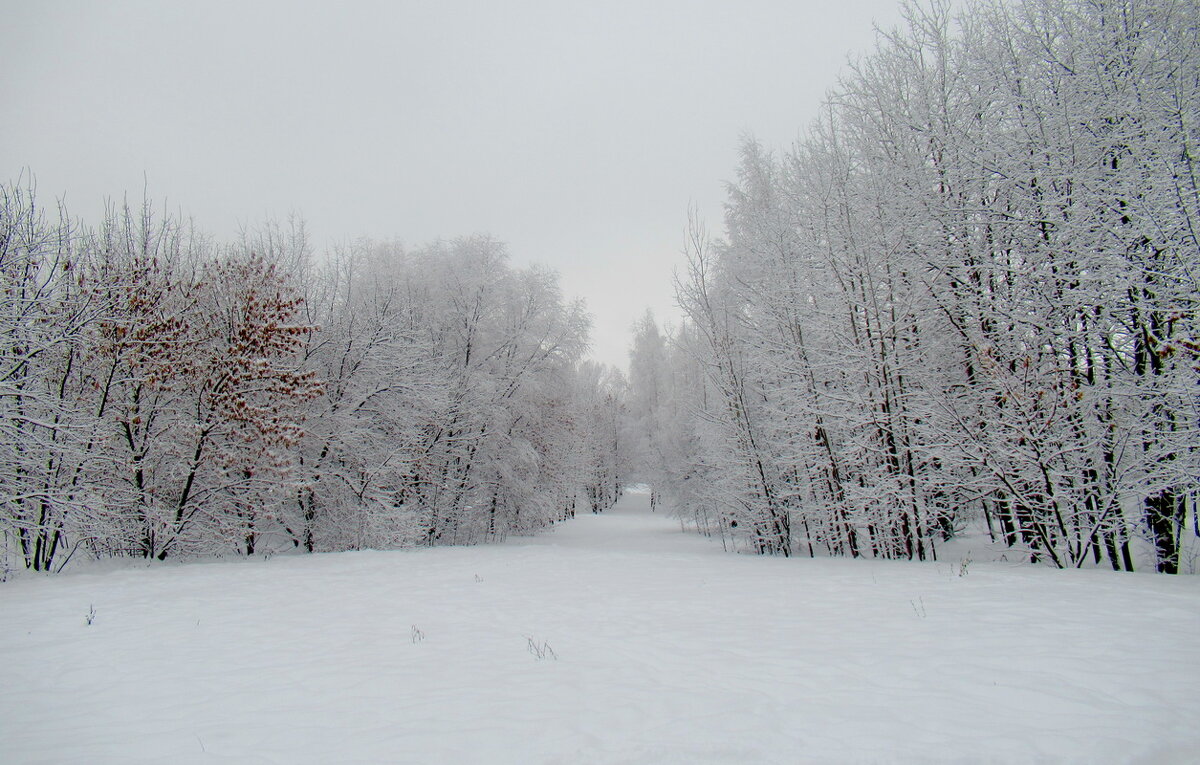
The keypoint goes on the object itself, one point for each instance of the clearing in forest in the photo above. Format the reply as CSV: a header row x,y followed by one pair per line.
x,y
612,638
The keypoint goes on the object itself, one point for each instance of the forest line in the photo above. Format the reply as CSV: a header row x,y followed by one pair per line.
x,y
165,395
967,294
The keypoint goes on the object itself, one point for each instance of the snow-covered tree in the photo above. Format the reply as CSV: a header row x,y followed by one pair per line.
x,y
969,291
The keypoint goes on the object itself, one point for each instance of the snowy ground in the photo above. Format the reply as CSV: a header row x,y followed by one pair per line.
x,y
668,650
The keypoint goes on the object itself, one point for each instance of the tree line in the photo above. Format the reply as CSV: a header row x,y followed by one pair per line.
x,y
968,292
165,395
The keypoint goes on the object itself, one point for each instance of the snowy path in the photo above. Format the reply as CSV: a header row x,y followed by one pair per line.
x,y
668,650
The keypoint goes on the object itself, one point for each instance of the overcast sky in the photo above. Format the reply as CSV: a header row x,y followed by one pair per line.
x,y
578,133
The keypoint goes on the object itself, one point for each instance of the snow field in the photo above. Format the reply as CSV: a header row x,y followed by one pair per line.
x,y
668,650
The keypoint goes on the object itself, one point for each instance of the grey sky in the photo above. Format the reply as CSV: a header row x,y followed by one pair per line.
x,y
578,133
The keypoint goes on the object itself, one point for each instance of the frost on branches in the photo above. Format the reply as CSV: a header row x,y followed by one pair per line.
x,y
969,292
449,413
164,396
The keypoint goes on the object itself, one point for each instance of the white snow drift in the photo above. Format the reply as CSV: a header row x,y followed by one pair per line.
x,y
655,645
